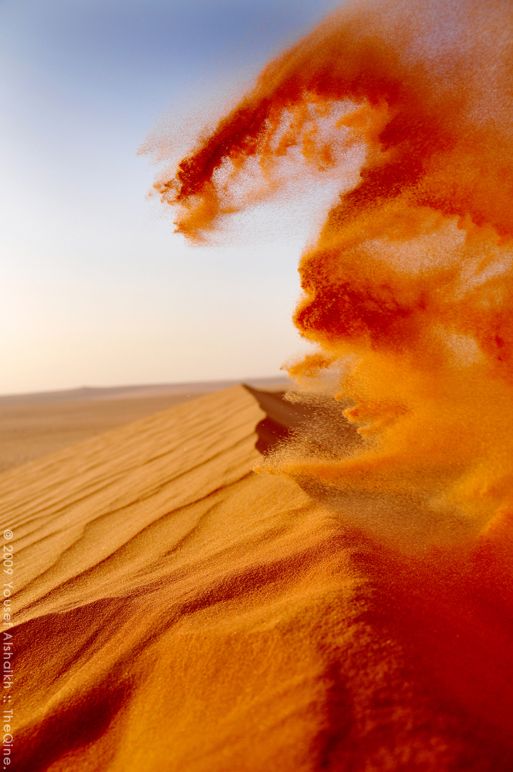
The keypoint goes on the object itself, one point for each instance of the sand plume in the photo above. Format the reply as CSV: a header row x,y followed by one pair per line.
x,y
408,288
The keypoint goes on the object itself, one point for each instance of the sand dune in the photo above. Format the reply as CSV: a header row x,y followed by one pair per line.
x,y
176,611
40,423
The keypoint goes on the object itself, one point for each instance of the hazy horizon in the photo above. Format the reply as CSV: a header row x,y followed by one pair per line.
x,y
244,379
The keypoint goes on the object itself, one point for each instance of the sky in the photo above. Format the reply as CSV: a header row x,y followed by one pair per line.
x,y
97,289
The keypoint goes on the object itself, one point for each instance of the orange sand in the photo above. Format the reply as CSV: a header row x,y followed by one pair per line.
x,y
175,611
40,423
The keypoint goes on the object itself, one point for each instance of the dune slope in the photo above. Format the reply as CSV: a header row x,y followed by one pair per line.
x,y
34,425
176,611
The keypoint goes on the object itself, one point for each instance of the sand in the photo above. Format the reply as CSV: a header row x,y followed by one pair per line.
x,y
176,611
40,423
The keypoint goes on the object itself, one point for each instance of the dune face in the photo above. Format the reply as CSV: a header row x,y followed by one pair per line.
x,y
40,423
174,611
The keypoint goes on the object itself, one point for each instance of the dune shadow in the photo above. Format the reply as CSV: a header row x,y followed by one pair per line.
x,y
316,423
71,728
281,419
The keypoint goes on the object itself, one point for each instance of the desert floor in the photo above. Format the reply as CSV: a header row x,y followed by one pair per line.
x,y
175,610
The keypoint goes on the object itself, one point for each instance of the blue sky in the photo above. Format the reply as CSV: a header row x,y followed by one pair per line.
x,y
97,289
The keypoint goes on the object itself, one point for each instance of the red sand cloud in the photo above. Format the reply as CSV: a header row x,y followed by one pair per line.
x,y
408,289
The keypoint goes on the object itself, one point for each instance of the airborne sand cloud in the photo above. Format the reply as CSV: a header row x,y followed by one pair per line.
x,y
408,288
